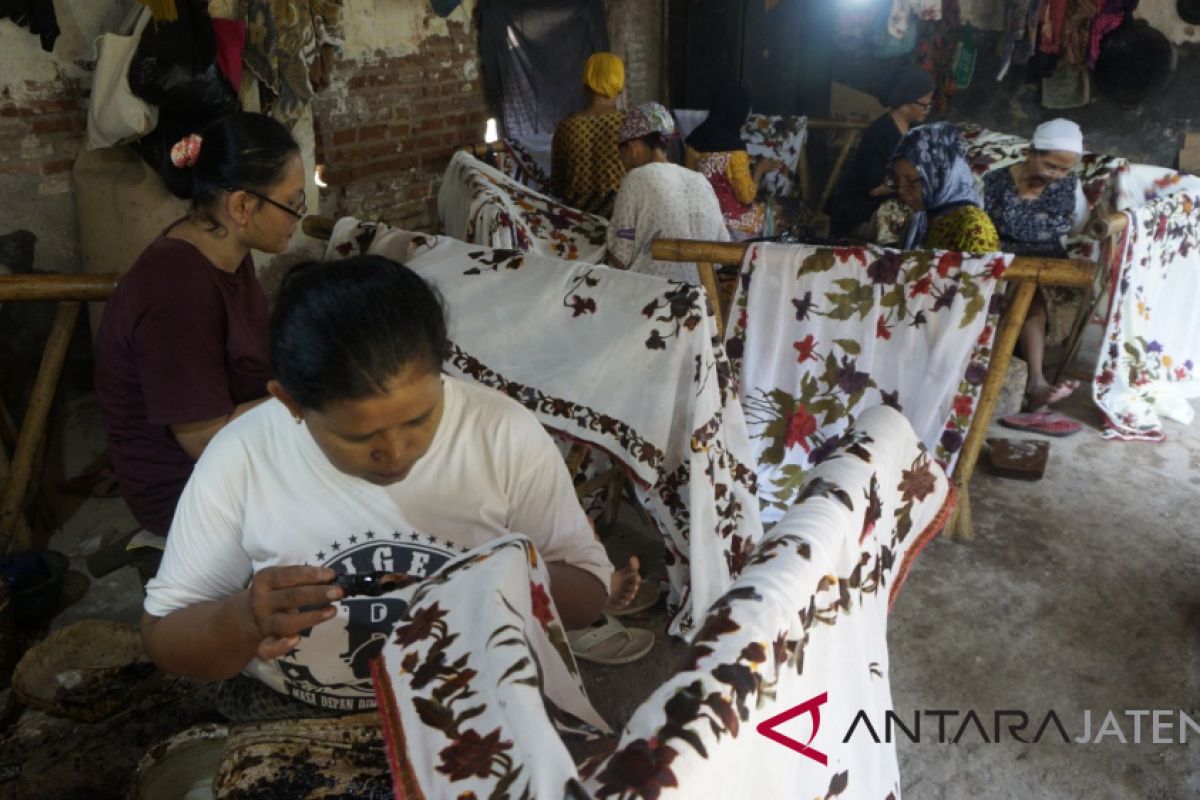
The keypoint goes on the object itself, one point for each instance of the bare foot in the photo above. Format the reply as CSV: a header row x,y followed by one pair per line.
x,y
624,583
1045,395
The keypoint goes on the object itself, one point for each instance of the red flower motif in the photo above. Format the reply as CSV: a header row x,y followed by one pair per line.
x,y
1180,373
921,287
844,254
1105,378
997,267
882,331
800,427
471,755
541,604
804,349
985,338
947,262
963,405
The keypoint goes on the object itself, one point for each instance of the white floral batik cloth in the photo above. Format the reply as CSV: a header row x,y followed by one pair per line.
x,y
627,363
1147,364
805,625
819,335
477,684
780,139
479,203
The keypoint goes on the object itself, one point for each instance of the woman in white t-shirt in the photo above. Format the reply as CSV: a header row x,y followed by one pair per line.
x,y
367,459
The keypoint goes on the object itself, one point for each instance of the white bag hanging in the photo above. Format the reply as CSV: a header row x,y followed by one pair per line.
x,y
115,113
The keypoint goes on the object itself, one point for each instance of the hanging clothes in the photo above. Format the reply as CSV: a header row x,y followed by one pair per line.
x,y
1109,16
37,15
1020,32
283,41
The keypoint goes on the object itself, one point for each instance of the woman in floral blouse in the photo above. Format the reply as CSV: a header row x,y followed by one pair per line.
x,y
1034,205
934,180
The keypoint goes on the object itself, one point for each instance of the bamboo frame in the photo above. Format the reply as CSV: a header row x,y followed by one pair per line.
x,y
1026,272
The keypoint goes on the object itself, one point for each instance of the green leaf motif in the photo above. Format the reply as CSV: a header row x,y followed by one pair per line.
x,y
849,345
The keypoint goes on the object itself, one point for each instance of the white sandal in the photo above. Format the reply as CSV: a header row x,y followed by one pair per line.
x,y
610,643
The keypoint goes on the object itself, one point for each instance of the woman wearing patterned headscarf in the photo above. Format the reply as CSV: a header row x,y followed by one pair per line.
x,y
658,199
585,169
933,179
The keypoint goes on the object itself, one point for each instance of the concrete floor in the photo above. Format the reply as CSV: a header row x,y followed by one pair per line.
x,y
1079,592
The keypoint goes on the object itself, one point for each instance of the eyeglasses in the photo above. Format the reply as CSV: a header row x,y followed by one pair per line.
x,y
923,104
298,213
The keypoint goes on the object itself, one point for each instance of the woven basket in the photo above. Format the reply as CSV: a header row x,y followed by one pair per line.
x,y
86,671
343,757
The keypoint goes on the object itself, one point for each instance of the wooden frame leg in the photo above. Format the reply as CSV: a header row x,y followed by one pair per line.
x,y
33,426
993,382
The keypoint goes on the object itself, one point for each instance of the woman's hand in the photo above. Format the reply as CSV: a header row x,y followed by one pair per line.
x,y
766,165
282,602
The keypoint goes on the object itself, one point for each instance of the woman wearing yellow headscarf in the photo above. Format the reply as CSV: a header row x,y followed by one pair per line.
x,y
585,168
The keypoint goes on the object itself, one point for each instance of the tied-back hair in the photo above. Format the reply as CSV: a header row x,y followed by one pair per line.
x,y
342,330
655,141
241,151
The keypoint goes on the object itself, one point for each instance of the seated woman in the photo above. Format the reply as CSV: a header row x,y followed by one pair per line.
x,y
934,180
716,150
182,348
367,459
866,185
658,199
1034,205
585,168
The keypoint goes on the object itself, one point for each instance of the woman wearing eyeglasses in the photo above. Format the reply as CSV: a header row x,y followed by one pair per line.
x,y
182,348
1034,205
909,97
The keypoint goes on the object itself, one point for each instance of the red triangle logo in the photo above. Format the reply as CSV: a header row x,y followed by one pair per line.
x,y
812,707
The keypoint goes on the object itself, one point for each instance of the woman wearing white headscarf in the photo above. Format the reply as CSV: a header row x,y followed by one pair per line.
x,y
1034,205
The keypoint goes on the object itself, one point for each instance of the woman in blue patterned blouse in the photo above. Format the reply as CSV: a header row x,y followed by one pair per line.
x,y
1034,205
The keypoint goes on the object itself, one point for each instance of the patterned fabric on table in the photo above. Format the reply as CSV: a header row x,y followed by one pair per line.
x,y
781,139
478,203
624,362
807,621
1151,345
477,684
821,334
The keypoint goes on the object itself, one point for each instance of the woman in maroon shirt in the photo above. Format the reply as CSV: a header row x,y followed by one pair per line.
x,y
182,347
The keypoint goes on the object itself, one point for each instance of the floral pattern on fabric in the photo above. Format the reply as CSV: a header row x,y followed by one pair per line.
x,y
586,168
742,219
625,363
808,617
524,161
478,203
863,326
479,654
1030,226
780,139
1147,365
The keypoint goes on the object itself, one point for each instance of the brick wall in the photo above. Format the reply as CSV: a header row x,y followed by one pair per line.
x,y
42,131
388,125
635,30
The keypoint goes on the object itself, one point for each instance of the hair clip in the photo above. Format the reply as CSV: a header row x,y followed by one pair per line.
x,y
186,152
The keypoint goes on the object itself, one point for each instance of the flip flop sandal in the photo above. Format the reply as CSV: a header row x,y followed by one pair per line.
x,y
1046,423
610,642
645,599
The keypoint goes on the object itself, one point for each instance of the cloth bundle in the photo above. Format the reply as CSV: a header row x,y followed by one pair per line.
x,y
478,203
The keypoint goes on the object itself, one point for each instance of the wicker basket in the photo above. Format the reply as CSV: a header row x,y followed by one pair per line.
x,y
86,671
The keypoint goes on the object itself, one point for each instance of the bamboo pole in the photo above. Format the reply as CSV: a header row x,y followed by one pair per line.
x,y
1050,271
993,382
843,154
1109,226
708,280
20,525
33,426
56,288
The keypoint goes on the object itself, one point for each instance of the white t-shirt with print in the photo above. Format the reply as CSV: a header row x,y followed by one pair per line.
x,y
263,494
663,201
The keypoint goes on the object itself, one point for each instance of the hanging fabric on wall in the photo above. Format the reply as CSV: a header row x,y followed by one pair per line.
x,y
284,40
162,10
533,55
1020,33
37,15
